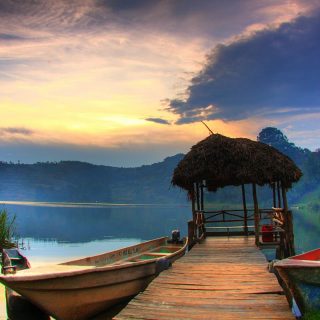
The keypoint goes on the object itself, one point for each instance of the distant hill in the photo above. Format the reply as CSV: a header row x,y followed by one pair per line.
x,y
275,138
308,188
73,181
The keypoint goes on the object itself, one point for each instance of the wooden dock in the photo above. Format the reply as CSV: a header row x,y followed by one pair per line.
x,y
221,278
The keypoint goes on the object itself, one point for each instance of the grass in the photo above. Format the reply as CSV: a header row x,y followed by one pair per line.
x,y
7,229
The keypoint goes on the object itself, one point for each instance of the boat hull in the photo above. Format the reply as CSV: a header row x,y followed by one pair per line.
x,y
301,275
88,290
75,298
18,307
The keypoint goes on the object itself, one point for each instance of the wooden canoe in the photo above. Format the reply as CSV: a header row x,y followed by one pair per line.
x,y
301,274
13,259
79,289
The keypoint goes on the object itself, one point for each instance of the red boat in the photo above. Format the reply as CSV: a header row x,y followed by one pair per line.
x,y
301,273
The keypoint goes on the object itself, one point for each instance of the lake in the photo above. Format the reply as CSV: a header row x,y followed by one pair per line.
x,y
57,232
306,224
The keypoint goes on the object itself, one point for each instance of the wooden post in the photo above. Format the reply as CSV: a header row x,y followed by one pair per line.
x,y
201,198
193,207
202,210
274,194
291,234
256,214
284,198
190,234
288,223
245,212
193,199
198,196
193,203
279,196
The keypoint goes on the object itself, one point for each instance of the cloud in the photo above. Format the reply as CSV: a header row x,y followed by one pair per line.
x,y
48,31
274,71
67,67
16,131
8,36
210,17
205,18
127,5
158,120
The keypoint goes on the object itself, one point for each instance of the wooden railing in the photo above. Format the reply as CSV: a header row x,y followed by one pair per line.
x,y
196,229
226,222
282,220
226,215
275,227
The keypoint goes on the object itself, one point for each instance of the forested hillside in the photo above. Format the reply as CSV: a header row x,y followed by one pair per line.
x,y
74,181
308,188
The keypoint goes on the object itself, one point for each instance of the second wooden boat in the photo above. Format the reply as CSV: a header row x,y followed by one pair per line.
x,y
79,289
18,307
301,274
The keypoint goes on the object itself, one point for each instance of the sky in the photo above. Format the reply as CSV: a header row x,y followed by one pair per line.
x,y
128,82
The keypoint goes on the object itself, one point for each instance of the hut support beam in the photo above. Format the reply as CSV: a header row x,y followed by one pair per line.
x,y
279,196
256,214
201,198
288,224
198,196
284,198
245,212
274,195
193,203
191,223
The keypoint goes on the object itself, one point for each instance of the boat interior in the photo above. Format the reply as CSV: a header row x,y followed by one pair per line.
x,y
159,249
313,255
123,256
159,252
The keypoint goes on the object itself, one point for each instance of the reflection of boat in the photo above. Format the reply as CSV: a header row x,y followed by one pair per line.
x,y
18,307
301,273
80,288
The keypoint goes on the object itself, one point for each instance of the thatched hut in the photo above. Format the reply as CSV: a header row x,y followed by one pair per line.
x,y
220,161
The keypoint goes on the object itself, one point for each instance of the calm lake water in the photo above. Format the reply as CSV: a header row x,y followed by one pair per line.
x,y
306,229
59,232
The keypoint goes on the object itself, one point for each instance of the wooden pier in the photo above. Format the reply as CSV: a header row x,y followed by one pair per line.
x,y
221,278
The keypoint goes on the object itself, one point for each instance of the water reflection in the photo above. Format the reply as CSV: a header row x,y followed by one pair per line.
x,y
51,232
55,233
306,225
83,224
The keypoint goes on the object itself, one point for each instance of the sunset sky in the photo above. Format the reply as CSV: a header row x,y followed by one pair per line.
x,y
127,82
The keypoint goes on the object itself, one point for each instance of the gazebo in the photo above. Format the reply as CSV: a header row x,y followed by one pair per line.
x,y
219,161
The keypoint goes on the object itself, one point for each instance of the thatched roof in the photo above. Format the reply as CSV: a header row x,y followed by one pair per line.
x,y
223,161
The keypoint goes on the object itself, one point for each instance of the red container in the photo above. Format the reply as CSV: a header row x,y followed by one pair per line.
x,y
267,234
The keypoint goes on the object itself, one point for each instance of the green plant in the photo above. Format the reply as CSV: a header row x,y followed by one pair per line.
x,y
7,229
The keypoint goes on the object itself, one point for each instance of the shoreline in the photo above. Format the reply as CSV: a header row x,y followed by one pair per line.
x,y
88,204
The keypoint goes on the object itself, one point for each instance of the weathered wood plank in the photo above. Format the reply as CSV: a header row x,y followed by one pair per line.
x,y
222,278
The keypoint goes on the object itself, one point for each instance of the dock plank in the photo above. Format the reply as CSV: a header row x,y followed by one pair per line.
x,y
221,278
